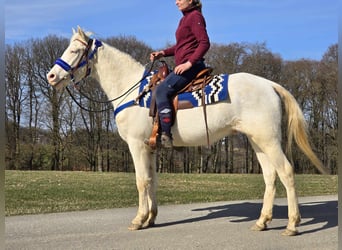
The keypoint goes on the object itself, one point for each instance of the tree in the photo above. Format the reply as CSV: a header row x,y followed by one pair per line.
x,y
46,129
327,77
130,45
94,123
226,58
32,105
260,61
298,77
14,101
45,52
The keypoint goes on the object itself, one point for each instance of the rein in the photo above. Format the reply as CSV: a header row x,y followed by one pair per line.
x,y
85,63
79,104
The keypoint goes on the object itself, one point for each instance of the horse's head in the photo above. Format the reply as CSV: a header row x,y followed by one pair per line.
x,y
73,66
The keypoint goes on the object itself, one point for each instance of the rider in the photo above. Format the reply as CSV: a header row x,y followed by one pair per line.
x,y
192,43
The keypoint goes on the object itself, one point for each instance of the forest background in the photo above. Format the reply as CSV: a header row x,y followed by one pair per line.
x,y
46,130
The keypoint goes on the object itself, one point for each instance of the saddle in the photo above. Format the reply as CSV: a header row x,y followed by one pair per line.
x,y
199,82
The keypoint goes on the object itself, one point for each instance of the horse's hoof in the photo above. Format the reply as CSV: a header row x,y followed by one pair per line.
x,y
257,227
148,224
289,232
134,227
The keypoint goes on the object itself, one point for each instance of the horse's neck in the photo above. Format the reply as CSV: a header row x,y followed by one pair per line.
x,y
116,71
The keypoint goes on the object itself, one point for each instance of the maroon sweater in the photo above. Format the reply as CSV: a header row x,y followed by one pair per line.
x,y
192,41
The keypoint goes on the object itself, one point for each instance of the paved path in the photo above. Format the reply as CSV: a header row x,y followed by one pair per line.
x,y
219,225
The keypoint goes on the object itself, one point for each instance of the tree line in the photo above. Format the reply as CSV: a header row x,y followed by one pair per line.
x,y
46,130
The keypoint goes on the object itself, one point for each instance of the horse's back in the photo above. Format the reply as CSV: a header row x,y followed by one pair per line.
x,y
251,91
245,82
253,107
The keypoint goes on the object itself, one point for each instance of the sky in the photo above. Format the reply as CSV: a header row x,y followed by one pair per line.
x,y
293,29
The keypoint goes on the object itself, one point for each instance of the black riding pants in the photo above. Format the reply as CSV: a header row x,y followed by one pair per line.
x,y
165,91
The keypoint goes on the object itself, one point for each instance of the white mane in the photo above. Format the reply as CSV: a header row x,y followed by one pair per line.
x,y
115,70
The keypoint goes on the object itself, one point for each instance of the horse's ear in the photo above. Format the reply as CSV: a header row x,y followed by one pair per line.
x,y
79,30
73,31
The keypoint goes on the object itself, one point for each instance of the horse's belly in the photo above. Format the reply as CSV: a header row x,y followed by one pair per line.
x,y
190,128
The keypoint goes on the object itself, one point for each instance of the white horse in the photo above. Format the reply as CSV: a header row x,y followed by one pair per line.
x,y
254,109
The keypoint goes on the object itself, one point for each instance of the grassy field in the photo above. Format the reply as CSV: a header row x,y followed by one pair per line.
x,y
46,192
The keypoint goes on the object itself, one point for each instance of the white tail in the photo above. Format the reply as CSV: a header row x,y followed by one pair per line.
x,y
297,128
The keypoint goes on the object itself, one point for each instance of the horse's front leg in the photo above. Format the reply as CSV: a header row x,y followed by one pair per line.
x,y
145,170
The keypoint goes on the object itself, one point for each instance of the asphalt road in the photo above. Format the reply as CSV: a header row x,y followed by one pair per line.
x,y
219,225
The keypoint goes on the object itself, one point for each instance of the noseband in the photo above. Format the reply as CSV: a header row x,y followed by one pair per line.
x,y
83,62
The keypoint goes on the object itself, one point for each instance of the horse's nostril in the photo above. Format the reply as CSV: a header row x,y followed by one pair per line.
x,y
51,76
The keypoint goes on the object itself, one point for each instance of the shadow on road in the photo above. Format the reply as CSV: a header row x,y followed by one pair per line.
x,y
324,214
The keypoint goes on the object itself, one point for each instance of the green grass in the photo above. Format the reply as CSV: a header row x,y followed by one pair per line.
x,y
46,192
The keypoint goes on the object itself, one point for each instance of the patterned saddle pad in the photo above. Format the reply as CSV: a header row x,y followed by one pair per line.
x,y
215,91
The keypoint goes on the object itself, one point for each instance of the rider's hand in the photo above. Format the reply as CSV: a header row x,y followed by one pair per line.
x,y
181,68
156,55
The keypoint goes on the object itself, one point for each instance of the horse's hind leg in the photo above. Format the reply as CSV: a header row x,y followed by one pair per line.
x,y
286,175
273,160
269,175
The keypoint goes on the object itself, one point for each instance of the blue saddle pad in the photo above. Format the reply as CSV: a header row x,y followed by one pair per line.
x,y
215,91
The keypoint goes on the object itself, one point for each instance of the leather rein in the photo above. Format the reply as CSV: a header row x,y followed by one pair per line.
x,y
84,62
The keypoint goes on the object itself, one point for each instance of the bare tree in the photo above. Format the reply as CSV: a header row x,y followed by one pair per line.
x,y
32,105
260,61
45,127
15,98
327,79
226,58
313,84
45,52
130,45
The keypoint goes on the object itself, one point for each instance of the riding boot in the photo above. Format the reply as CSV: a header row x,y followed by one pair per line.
x,y
166,141
165,116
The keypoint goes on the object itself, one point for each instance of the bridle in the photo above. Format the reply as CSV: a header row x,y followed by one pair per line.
x,y
84,62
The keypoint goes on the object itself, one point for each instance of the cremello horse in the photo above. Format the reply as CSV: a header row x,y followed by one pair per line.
x,y
254,109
